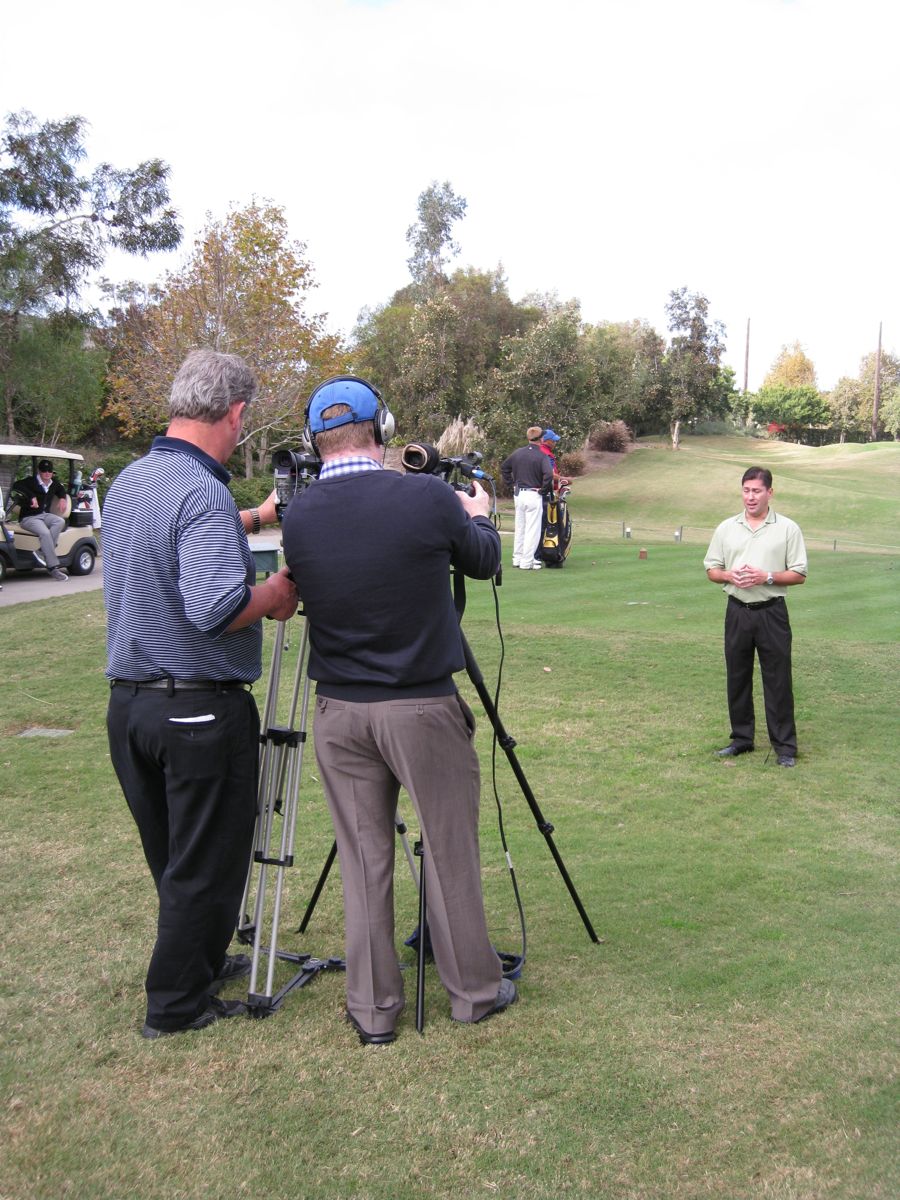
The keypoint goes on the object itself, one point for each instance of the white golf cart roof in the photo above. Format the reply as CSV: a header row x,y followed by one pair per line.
x,y
38,452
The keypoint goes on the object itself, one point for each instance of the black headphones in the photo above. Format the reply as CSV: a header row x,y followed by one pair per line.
x,y
361,397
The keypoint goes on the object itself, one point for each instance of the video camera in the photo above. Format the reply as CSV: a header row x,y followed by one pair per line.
x,y
419,458
293,472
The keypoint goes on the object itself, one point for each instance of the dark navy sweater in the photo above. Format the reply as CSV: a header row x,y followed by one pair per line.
x,y
371,555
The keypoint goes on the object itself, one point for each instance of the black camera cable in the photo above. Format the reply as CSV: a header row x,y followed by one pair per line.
x,y
513,964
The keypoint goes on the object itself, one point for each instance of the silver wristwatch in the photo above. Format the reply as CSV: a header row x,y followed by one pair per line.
x,y
770,579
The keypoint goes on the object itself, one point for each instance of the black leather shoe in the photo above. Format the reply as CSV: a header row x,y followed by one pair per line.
x,y
786,760
371,1039
235,966
506,995
217,1010
733,751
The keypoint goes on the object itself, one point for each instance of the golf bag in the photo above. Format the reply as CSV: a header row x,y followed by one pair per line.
x,y
556,530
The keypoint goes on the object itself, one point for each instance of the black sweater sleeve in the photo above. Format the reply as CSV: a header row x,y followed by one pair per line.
x,y
478,555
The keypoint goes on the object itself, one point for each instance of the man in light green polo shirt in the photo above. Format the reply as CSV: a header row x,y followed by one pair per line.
x,y
757,556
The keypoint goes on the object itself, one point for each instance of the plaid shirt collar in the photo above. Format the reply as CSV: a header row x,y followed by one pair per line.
x,y
352,464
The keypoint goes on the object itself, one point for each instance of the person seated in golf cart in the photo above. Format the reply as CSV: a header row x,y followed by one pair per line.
x,y
43,505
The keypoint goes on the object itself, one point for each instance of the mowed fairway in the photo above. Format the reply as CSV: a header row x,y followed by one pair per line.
x,y
733,1034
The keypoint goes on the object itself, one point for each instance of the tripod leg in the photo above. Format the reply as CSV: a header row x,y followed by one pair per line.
x,y
410,855
281,762
329,863
267,719
508,745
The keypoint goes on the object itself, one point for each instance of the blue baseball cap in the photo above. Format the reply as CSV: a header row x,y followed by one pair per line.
x,y
360,397
550,436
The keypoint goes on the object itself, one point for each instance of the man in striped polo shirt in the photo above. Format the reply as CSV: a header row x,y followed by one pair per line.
x,y
184,641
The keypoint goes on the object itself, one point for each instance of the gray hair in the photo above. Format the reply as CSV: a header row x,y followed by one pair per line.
x,y
207,385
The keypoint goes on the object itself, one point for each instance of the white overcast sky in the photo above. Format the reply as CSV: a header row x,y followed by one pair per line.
x,y
609,150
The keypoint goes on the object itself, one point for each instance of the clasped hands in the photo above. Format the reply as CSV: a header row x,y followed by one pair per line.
x,y
746,576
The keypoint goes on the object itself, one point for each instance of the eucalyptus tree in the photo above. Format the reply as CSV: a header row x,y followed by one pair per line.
x,y
890,379
430,237
844,407
57,224
697,385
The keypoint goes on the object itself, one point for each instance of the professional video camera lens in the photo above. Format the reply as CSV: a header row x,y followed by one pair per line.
x,y
420,458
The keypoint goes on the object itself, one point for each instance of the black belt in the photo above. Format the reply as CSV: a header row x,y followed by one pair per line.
x,y
522,488
757,603
184,685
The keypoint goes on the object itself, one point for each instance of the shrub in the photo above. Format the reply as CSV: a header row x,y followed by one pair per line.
x,y
250,493
572,464
612,436
459,438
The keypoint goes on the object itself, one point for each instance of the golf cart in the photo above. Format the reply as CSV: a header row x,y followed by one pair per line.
x,y
77,548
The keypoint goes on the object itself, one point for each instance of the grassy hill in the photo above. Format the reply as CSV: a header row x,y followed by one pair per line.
x,y
849,492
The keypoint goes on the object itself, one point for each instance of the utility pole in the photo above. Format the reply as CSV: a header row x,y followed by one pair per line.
x,y
747,357
877,400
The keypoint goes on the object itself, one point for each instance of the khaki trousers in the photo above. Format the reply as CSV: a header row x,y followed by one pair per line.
x,y
366,752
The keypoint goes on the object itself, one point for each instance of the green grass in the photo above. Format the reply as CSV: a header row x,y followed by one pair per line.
x,y
732,1036
849,492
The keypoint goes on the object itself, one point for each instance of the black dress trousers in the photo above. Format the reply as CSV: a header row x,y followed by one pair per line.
x,y
188,765
765,632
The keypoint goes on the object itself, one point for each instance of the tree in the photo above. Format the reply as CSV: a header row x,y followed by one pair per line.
x,y
542,379
890,378
55,376
379,340
430,237
242,291
57,224
789,396
792,368
844,406
890,414
429,354
696,384
796,408
427,393
852,401
625,374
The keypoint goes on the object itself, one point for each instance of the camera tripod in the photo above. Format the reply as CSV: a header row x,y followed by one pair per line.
x,y
281,761
419,940
508,745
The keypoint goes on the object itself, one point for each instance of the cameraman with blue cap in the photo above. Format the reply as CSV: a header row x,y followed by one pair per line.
x,y
371,551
